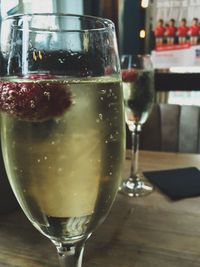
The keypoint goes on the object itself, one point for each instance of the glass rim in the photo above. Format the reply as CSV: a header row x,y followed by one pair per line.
x,y
136,55
106,24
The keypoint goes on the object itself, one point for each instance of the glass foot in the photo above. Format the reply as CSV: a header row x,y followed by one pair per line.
x,y
135,187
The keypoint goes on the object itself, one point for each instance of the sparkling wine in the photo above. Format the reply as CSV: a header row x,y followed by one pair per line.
x,y
138,95
63,158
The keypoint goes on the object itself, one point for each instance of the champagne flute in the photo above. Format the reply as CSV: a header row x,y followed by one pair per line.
x,y
138,87
62,124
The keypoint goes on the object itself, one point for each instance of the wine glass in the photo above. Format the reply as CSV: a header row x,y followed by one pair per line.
x,y
138,87
62,124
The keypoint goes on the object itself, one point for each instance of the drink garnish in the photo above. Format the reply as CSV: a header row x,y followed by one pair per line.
x,y
40,76
129,75
37,98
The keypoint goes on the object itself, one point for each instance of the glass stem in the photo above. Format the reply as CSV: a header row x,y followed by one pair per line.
x,y
70,255
135,151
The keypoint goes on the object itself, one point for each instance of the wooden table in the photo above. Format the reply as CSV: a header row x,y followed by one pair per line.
x,y
140,232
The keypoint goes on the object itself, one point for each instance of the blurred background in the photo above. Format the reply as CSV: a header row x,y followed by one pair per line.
x,y
128,15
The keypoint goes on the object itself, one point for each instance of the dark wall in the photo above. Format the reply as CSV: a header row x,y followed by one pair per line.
x,y
92,7
128,17
133,21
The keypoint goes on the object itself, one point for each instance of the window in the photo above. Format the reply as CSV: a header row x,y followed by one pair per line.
x,y
184,98
9,7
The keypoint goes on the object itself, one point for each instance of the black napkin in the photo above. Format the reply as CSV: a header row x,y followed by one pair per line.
x,y
177,183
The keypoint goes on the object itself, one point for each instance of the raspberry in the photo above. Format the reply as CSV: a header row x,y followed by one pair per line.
x,y
35,101
40,76
129,75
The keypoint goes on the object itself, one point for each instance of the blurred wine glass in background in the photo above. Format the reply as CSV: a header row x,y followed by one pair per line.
x,y
138,87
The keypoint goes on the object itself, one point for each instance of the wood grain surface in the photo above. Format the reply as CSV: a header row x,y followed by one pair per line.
x,y
139,232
